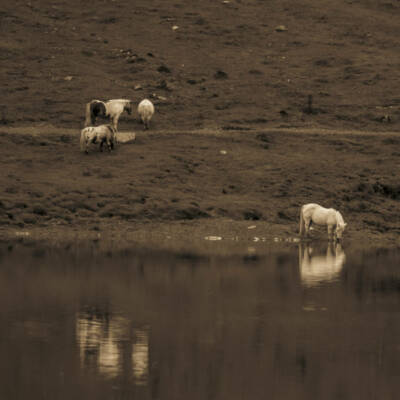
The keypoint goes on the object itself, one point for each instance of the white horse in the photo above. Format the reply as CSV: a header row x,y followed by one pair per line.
x,y
111,109
316,214
97,134
146,111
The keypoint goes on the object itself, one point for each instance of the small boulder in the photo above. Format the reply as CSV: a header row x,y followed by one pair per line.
x,y
281,28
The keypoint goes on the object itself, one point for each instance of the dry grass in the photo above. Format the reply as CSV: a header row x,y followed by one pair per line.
x,y
177,176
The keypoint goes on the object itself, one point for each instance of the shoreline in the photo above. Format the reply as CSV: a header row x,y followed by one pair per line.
x,y
217,237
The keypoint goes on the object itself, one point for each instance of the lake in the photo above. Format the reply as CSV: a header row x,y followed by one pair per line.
x,y
309,321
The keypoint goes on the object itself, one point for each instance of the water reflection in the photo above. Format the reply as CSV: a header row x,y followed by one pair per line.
x,y
151,325
106,342
318,267
140,356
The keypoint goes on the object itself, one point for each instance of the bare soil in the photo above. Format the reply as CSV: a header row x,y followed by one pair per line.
x,y
234,142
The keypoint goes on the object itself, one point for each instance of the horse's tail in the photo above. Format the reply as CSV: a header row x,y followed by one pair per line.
x,y
83,139
88,114
94,109
301,227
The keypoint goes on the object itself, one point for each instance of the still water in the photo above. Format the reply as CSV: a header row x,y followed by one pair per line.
x,y
302,322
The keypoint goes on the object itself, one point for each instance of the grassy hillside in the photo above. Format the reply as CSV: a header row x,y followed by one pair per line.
x,y
226,181
205,64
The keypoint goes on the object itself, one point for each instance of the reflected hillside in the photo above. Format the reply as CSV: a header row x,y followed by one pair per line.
x,y
318,266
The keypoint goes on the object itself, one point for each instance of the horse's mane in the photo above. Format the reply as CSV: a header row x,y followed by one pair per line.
x,y
339,218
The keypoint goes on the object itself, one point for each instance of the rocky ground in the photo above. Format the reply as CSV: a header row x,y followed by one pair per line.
x,y
235,140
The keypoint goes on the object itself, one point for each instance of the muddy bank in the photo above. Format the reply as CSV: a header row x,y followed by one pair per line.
x,y
198,183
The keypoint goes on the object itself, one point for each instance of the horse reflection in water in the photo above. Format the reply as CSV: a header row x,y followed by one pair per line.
x,y
103,346
316,269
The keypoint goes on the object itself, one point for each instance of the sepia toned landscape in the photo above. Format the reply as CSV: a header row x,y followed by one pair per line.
x,y
260,108
171,265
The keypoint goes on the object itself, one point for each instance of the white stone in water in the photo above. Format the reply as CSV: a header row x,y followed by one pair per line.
x,y
213,238
22,233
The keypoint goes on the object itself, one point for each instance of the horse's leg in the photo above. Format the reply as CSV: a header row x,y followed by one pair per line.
x,y
330,232
112,134
101,145
301,223
329,250
115,122
115,126
305,221
307,224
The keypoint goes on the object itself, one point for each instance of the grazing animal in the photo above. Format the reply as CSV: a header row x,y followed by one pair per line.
x,y
97,134
146,111
316,214
317,268
111,109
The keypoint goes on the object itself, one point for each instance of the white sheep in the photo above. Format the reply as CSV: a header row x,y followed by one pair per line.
x,y
146,111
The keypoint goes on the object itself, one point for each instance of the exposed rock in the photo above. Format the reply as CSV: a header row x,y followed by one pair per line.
x,y
164,69
281,28
220,75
